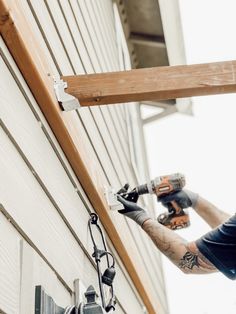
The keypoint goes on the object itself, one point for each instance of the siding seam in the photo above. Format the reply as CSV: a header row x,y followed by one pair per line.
x,y
42,125
31,243
44,188
7,63
24,235
132,170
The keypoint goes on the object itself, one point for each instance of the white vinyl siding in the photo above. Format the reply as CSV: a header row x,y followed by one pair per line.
x,y
40,191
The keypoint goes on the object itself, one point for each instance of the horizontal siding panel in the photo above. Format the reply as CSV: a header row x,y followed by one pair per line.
x,y
67,35
53,9
116,173
89,43
74,26
98,142
93,30
77,37
101,35
9,268
43,225
21,270
84,113
93,21
107,27
49,30
119,146
37,215
28,134
87,40
34,271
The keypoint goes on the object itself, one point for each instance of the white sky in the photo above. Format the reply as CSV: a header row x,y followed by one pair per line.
x,y
203,148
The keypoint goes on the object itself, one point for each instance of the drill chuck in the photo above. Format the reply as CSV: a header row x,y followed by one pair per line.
x,y
147,188
142,189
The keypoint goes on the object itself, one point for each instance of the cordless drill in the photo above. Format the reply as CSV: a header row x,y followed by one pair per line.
x,y
175,217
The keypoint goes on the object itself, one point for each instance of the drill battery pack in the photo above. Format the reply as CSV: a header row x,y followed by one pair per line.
x,y
173,220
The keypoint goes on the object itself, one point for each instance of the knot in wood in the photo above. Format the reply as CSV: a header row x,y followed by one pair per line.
x,y
4,18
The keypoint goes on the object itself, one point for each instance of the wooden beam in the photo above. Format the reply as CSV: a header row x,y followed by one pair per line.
x,y
158,83
32,62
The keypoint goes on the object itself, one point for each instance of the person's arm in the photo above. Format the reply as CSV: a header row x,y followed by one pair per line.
x,y
185,255
210,213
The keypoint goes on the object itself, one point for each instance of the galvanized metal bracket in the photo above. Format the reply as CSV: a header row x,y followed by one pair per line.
x,y
67,101
111,198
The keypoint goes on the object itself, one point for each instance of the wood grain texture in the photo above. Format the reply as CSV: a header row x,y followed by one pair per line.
x,y
24,48
158,83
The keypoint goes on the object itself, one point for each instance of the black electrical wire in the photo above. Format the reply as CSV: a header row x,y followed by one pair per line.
x,y
94,221
98,254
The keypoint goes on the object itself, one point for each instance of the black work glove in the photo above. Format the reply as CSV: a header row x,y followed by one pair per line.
x,y
183,198
131,209
131,196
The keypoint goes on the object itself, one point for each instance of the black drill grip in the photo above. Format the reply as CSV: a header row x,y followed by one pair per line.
x,y
173,207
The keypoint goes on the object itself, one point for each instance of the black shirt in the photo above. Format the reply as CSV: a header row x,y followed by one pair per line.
x,y
219,247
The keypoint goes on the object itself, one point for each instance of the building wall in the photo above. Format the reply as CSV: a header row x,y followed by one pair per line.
x,y
44,237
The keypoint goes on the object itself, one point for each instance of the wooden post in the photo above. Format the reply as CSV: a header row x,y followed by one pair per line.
x,y
158,83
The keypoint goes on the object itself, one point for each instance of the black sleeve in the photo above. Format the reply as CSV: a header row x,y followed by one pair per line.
x,y
219,247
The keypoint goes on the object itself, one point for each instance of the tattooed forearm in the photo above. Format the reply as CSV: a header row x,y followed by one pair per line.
x,y
183,254
168,242
189,260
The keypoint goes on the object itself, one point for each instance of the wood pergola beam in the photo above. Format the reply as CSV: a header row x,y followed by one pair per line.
x,y
158,83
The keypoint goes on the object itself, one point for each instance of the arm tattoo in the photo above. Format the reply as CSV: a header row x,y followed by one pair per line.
x,y
183,254
189,260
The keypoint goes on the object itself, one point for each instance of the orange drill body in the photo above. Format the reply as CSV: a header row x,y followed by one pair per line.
x,y
176,217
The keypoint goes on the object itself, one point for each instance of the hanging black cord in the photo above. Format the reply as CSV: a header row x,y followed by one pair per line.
x,y
109,253
97,255
104,244
94,221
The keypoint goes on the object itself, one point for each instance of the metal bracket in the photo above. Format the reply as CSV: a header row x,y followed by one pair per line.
x,y
68,102
111,198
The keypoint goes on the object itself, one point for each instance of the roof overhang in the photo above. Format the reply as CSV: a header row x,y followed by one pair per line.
x,y
155,37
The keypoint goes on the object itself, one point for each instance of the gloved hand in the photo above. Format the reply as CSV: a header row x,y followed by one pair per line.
x,y
183,198
131,196
131,209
